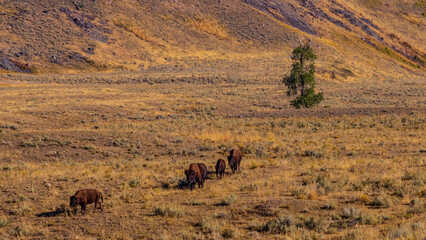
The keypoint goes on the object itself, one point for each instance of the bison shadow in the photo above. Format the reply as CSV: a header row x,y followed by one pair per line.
x,y
182,183
62,210
177,183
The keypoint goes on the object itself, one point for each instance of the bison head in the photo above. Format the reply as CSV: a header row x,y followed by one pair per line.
x,y
230,159
187,174
192,179
74,201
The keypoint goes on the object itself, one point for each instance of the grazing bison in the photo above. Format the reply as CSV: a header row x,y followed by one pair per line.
x,y
86,196
234,160
220,168
193,175
203,172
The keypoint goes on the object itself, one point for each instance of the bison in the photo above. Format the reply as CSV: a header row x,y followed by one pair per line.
x,y
220,168
203,172
234,160
86,196
193,175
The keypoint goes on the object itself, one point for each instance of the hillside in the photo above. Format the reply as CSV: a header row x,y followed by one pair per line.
x,y
123,95
355,39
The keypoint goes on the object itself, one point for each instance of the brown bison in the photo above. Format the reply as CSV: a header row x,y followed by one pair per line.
x,y
234,160
86,196
220,168
193,175
203,172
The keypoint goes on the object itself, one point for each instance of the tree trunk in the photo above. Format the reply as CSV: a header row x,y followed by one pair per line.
x,y
302,91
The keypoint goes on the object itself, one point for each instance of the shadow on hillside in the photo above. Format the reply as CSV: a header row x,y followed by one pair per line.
x,y
62,210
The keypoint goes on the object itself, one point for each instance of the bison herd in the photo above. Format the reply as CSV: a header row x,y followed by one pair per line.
x,y
195,174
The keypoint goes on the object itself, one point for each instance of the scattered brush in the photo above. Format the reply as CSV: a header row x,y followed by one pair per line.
x,y
169,211
229,200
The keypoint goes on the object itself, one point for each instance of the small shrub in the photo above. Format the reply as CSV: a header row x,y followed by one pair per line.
x,y
229,233
134,183
209,225
206,147
309,153
260,153
312,195
409,176
382,201
416,206
350,212
108,205
329,206
4,222
417,226
6,168
364,199
187,235
250,187
220,215
399,233
398,192
317,224
278,225
22,211
168,211
352,236
178,140
299,193
128,197
335,217
358,186
253,165
194,202
366,219
229,200
326,184
21,230
253,235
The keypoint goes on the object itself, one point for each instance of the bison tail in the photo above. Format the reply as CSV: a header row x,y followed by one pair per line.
x,y
102,198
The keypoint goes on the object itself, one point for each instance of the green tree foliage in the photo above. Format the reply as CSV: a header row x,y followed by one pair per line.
x,y
302,77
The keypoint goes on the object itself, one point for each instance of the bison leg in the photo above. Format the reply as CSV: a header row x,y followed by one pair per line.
x,y
100,205
96,203
83,208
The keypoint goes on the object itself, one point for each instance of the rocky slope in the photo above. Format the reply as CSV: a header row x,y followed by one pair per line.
x,y
361,39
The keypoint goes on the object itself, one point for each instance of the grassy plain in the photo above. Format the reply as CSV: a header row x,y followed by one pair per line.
x,y
352,168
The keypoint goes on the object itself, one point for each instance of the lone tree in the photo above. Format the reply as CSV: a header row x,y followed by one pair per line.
x,y
302,77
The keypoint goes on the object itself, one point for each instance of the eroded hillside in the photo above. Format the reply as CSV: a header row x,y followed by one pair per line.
x,y
361,39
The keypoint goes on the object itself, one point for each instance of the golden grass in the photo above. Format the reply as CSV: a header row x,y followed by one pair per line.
x,y
133,142
210,26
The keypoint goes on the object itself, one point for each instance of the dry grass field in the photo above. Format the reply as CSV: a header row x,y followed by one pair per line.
x,y
352,168
123,95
